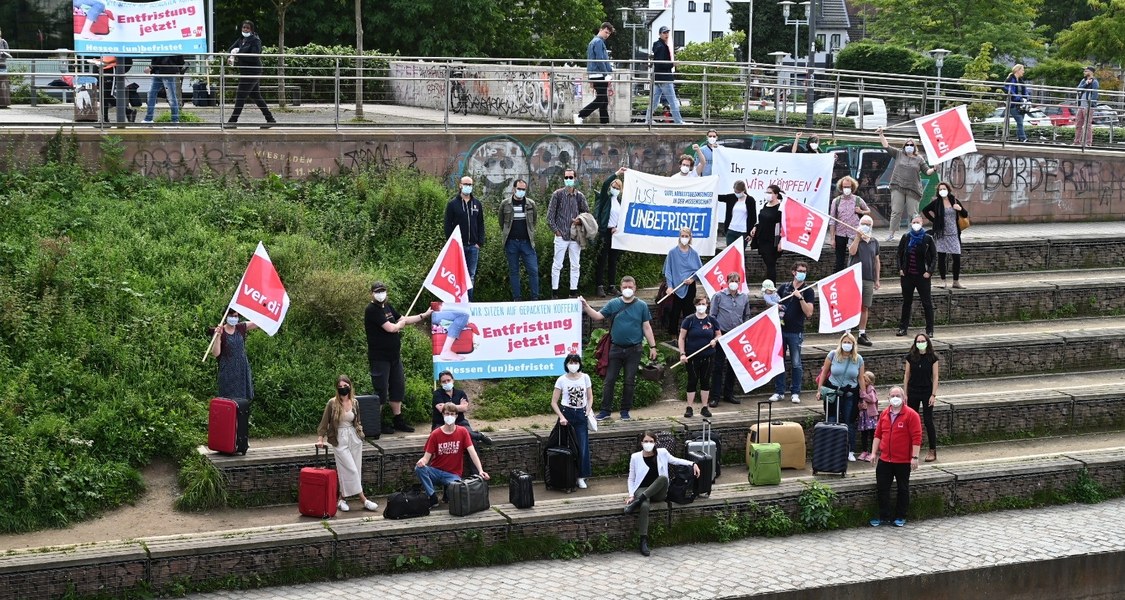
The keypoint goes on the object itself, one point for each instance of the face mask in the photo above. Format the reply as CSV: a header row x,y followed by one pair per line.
x,y
380,296
685,169
846,347
701,309
343,390
770,196
712,140
447,386
568,182
865,229
573,367
232,320
733,286
916,226
466,189
813,145
896,401
627,293
943,193
684,240
847,191
740,195
614,192
521,193
922,346
450,419
247,34
800,276
648,446
908,149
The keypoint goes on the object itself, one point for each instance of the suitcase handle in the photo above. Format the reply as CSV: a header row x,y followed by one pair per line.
x,y
323,461
706,433
769,419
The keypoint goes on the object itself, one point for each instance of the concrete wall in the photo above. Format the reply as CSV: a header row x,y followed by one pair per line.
x,y
1015,184
523,92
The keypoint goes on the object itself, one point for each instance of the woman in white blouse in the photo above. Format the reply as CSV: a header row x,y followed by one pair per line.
x,y
648,481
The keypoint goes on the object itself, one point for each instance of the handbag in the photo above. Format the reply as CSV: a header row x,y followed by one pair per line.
x,y
591,422
601,354
963,223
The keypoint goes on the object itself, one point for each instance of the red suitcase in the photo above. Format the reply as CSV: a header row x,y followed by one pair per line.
x,y
317,488
101,26
228,425
464,344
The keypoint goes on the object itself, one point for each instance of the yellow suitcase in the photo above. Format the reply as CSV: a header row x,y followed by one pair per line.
x,y
787,433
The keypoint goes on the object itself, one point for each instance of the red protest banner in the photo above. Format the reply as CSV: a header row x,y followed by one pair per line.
x,y
449,277
754,349
261,297
946,135
713,275
841,299
802,228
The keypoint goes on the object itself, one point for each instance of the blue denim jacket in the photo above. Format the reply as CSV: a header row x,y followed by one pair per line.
x,y
597,57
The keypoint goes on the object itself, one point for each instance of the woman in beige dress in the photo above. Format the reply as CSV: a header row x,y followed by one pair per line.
x,y
340,425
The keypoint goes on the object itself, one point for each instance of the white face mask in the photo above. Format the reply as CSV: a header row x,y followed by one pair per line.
x,y
447,386
614,192
733,286
740,195
573,367
847,191
247,34
380,296
865,229
813,145
916,226
943,193
846,347
627,292
701,309
232,320
685,169
684,240
712,140
908,149
896,401
450,419
648,446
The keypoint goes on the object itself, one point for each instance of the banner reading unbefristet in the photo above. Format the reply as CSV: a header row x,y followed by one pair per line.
x,y
139,28
510,339
654,209
803,177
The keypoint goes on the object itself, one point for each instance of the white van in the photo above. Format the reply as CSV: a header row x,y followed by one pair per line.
x,y
874,110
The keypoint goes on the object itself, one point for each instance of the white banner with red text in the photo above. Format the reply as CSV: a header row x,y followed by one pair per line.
x,y
261,297
654,208
806,177
116,28
754,350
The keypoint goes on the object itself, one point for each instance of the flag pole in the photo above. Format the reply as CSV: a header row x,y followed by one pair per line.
x,y
669,295
692,355
215,336
416,296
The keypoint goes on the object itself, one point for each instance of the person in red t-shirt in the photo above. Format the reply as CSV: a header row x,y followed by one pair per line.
x,y
442,461
898,434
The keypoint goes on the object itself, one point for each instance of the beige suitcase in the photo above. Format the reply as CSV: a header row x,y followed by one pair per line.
x,y
787,433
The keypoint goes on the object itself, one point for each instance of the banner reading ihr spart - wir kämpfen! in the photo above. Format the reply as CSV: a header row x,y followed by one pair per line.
x,y
115,28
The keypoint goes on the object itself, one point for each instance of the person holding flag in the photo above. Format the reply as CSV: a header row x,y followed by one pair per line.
x,y
680,268
698,335
766,234
865,249
798,303
383,325
229,349
730,308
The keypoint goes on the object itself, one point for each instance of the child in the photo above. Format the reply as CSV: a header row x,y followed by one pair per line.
x,y
868,414
769,294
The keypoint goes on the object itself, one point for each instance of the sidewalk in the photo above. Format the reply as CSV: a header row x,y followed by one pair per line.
x,y
758,566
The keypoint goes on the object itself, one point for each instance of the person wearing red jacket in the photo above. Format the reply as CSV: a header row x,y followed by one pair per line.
x,y
898,434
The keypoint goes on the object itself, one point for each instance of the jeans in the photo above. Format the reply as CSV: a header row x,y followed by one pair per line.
x,y
657,492
97,7
563,248
472,257
629,359
1018,116
791,342
429,476
667,91
521,251
884,473
847,402
577,419
454,321
600,102
168,84
910,283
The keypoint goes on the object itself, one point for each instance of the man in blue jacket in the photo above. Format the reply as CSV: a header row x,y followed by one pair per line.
x,y
465,210
599,71
663,80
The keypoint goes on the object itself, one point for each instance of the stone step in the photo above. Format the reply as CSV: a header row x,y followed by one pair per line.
x,y
268,476
314,550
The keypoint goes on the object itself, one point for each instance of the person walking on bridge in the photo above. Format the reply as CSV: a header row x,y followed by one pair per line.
x,y
1087,102
599,71
664,86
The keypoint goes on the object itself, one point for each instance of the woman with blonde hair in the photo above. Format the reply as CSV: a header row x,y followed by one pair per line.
x,y
341,426
1018,100
680,267
838,386
846,210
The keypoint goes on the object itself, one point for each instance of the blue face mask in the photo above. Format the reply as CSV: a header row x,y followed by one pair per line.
x,y
568,182
521,193
466,189
800,276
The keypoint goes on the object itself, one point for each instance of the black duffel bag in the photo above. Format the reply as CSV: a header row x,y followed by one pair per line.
x,y
407,505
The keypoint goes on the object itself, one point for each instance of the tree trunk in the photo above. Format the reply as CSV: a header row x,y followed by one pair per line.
x,y
359,59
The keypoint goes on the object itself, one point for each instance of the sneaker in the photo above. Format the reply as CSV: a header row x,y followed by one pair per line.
x,y
900,522
930,334
370,505
577,120
875,522
957,285
864,457
600,292
851,456
705,412
603,415
890,237
688,413
775,397
795,399
901,331
625,416
342,506
582,483
863,341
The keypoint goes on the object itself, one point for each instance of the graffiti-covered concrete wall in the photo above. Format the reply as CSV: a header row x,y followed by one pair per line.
x,y
1025,183
525,92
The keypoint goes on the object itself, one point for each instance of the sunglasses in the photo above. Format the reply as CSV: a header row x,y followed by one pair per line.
x,y
568,178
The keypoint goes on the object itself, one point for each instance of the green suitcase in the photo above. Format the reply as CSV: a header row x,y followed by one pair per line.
x,y
765,459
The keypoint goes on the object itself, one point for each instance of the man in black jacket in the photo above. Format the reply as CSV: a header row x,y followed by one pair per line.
x,y
465,210
165,71
663,80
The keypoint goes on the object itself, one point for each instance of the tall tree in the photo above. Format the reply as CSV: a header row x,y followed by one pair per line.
x,y
1100,39
1058,15
960,25
771,34
549,29
281,6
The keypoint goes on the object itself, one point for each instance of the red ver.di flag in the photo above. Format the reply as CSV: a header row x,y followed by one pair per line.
x,y
754,350
946,135
713,275
261,297
802,228
841,300
449,277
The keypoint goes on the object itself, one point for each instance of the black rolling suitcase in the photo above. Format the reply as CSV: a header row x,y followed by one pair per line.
x,y
706,479
560,459
521,494
370,415
830,445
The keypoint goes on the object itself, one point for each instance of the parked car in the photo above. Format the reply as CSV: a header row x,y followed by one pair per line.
x,y
1035,118
874,110
1065,114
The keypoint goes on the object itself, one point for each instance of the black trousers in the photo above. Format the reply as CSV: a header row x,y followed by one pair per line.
x,y
841,253
920,401
684,306
922,284
885,472
769,256
722,378
956,265
600,102
607,256
248,88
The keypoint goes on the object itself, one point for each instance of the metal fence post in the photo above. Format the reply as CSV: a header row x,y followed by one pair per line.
x,y
336,93
746,106
222,89
35,90
448,68
861,104
835,104
703,108
551,98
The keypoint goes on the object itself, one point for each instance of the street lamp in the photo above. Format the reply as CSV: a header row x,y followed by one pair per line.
x,y
749,29
778,57
939,58
796,22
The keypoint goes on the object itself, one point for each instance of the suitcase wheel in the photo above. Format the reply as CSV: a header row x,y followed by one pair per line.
x,y
814,472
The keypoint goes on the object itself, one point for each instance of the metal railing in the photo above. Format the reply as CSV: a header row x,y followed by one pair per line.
x,y
394,91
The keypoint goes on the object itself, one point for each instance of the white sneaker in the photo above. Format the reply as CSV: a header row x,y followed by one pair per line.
x,y
370,505
342,506
796,399
582,483
851,456
577,120
775,397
